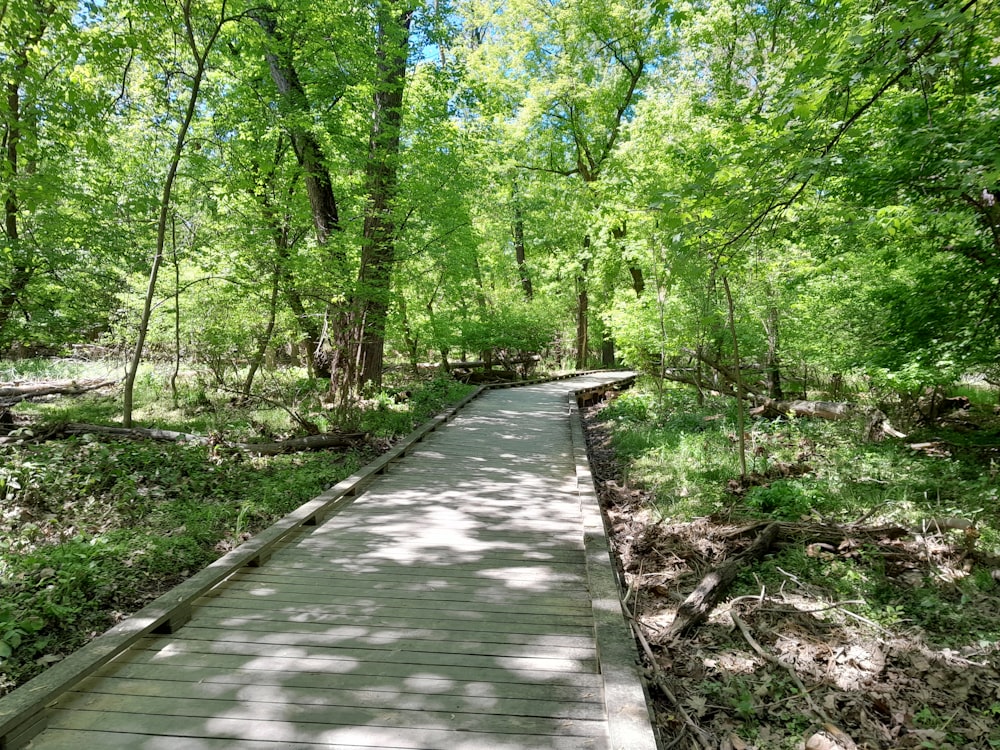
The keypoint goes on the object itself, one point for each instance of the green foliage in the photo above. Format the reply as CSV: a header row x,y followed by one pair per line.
x,y
511,330
820,471
788,500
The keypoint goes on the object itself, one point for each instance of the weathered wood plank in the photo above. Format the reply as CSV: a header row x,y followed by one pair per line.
x,y
352,631
325,588
437,601
403,614
314,714
342,705
399,645
485,697
341,561
431,659
274,662
537,577
224,736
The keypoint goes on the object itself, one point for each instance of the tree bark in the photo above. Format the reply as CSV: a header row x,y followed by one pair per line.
x,y
308,443
740,408
13,394
772,360
582,310
265,338
364,324
713,587
22,268
308,150
519,249
317,179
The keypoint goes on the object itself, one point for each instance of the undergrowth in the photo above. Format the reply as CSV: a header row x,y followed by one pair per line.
x,y
816,471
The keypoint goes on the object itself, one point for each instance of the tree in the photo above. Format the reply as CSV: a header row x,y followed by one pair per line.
x,y
198,36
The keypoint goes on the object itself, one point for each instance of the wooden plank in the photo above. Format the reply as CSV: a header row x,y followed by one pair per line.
x,y
402,614
339,698
274,662
427,659
400,644
434,630
265,595
629,722
487,697
62,739
314,712
239,736
324,587
416,553
516,568
517,576
431,578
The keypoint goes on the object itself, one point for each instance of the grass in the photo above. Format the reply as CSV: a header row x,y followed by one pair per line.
x,y
91,529
816,471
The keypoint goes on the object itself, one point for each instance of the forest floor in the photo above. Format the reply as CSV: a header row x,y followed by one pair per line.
x,y
846,635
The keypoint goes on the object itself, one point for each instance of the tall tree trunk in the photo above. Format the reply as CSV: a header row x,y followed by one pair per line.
x,y
582,311
265,337
22,267
519,250
608,352
308,150
316,176
201,61
772,361
638,282
177,313
740,390
367,316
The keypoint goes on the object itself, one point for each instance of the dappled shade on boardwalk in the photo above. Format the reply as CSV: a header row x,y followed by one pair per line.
x,y
447,607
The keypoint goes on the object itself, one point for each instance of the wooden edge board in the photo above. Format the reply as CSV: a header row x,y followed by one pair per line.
x,y
21,711
625,694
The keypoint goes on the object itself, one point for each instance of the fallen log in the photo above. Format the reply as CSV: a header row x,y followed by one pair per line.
x,y
13,393
772,409
877,425
307,443
714,586
291,445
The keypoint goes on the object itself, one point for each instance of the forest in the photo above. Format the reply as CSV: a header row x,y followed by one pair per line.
x,y
253,221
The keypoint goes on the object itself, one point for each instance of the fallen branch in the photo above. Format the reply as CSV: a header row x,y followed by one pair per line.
x,y
877,426
714,586
828,724
658,679
745,631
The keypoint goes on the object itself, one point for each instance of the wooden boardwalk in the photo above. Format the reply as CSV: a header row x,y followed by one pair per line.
x,y
450,606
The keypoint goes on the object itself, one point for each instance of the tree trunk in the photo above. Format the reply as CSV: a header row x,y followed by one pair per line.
x,y
308,150
316,177
740,406
519,250
772,361
201,61
265,338
365,322
22,268
582,310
